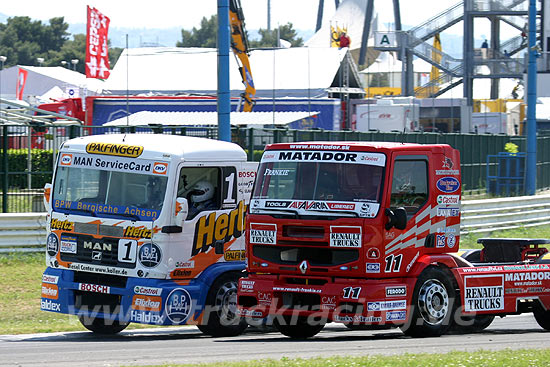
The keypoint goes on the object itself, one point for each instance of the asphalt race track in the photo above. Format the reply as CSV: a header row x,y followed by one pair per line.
x,y
188,345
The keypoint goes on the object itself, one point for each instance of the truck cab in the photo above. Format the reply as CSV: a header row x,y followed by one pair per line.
x,y
131,238
360,233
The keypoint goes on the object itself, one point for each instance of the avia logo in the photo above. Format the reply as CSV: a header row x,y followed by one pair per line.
x,y
303,267
160,168
307,205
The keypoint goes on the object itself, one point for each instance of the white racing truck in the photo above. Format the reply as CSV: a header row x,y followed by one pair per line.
x,y
148,229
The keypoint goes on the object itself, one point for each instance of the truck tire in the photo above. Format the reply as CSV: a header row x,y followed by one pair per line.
x,y
302,330
432,304
221,307
542,316
101,326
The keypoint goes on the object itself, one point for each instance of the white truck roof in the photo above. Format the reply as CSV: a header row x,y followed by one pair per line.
x,y
156,146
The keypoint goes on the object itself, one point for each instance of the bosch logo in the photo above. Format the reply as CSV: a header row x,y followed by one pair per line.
x,y
66,159
247,174
94,288
160,168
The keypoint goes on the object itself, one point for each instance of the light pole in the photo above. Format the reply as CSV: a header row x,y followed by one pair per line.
x,y
74,62
40,60
4,145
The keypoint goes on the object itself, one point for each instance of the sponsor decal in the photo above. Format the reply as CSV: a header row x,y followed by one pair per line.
x,y
185,264
149,255
146,317
483,293
396,315
263,233
96,255
546,256
234,255
51,279
178,305
63,225
448,199
218,226
357,319
277,204
247,285
137,232
328,302
377,159
147,291
98,269
247,174
146,303
297,289
514,290
264,299
341,206
448,163
373,253
68,244
446,172
400,291
451,240
50,291
249,313
94,288
413,261
276,172
514,277
386,305
344,236
309,205
48,305
89,245
160,168
389,235
373,268
181,273
121,150
448,184
448,212
52,244
66,159
440,241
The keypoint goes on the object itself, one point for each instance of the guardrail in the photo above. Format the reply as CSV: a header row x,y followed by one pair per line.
x,y
26,232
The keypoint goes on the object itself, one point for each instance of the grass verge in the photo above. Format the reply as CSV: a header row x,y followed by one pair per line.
x,y
516,358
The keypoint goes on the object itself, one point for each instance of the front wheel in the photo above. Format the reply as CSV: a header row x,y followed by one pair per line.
x,y
220,314
542,316
432,304
300,330
102,326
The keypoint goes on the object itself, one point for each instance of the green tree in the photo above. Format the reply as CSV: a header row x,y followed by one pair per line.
x,y
269,38
205,36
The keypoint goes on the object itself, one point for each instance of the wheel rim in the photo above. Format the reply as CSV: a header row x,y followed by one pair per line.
x,y
433,301
226,301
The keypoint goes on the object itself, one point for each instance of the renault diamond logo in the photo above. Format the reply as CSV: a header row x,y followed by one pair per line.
x,y
303,267
96,255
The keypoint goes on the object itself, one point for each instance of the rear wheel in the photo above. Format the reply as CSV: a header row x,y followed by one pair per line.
x,y
300,330
220,312
102,326
542,316
432,304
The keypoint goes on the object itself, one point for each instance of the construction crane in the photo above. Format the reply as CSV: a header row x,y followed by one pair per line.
x,y
239,45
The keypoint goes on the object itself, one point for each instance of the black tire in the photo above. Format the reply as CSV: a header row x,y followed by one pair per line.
x,y
101,326
432,304
542,316
301,330
221,306
473,323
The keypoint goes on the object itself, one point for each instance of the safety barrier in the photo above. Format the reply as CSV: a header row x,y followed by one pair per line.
x,y
26,232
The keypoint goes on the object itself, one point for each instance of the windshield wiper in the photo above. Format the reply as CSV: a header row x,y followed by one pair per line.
x,y
71,210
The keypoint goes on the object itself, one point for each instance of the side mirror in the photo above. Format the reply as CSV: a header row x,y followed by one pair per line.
x,y
396,218
48,197
182,209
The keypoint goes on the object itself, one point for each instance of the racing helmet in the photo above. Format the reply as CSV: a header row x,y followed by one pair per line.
x,y
202,191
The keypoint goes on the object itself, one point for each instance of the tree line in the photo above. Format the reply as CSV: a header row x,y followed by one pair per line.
x,y
25,41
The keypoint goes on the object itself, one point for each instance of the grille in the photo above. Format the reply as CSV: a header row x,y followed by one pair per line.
x,y
98,302
315,256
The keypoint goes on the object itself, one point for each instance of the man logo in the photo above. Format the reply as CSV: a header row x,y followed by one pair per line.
x,y
160,168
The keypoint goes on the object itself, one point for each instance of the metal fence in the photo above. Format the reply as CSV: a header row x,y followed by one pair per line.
x,y
27,153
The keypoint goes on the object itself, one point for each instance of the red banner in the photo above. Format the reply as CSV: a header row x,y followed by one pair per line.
x,y
21,80
97,51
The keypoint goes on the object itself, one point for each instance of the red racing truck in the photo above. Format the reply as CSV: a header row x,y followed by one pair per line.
x,y
366,234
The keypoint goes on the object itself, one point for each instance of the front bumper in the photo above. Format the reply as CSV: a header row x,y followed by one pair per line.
x,y
349,301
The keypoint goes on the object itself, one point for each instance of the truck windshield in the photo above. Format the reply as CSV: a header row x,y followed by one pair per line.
x,y
319,181
102,193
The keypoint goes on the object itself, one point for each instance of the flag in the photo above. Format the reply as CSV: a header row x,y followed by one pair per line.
x,y
97,51
21,80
